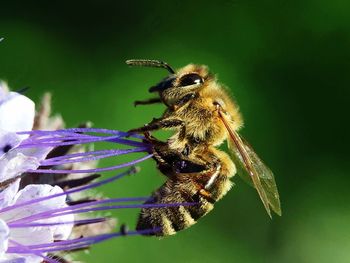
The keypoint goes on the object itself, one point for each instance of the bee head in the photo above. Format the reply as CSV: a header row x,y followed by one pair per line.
x,y
187,82
177,84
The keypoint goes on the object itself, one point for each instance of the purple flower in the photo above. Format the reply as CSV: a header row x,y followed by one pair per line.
x,y
45,175
15,238
17,113
36,221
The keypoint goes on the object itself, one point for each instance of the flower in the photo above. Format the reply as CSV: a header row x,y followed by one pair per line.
x,y
17,113
15,237
36,207
45,178
37,220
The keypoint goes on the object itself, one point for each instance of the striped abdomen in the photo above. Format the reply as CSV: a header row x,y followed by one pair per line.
x,y
182,190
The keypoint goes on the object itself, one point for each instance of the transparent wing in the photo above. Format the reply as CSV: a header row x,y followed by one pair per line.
x,y
253,170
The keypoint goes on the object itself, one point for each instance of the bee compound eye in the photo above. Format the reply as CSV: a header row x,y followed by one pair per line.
x,y
190,79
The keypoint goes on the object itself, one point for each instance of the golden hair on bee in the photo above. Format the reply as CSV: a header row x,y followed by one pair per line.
x,y
203,116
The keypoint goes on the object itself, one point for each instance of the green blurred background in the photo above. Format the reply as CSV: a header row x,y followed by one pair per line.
x,y
286,62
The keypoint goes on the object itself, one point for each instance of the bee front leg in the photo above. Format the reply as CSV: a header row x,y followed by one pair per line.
x,y
147,102
157,124
157,146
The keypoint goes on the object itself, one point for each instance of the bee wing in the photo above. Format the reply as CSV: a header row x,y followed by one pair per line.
x,y
253,169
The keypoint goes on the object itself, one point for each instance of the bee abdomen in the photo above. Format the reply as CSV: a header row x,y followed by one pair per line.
x,y
169,220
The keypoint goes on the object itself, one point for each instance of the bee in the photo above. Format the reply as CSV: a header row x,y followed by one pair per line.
x,y
202,115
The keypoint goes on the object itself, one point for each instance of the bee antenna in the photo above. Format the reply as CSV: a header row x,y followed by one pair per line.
x,y
150,63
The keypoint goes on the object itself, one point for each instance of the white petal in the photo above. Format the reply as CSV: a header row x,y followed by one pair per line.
x,y
8,141
4,236
14,258
31,192
15,163
31,235
38,153
7,196
16,113
36,235
34,191
62,232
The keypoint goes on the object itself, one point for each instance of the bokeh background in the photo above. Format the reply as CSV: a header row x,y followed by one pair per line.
x,y
287,64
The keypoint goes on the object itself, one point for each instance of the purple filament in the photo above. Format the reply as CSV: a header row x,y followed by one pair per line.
x,y
95,170
55,142
74,136
71,191
75,222
26,250
77,243
37,134
88,156
75,209
80,130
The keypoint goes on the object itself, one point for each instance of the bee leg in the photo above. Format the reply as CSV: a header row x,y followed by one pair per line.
x,y
151,139
206,181
161,153
166,123
147,102
200,181
157,146
158,124
171,162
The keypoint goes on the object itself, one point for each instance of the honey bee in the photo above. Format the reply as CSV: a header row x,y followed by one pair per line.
x,y
203,116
